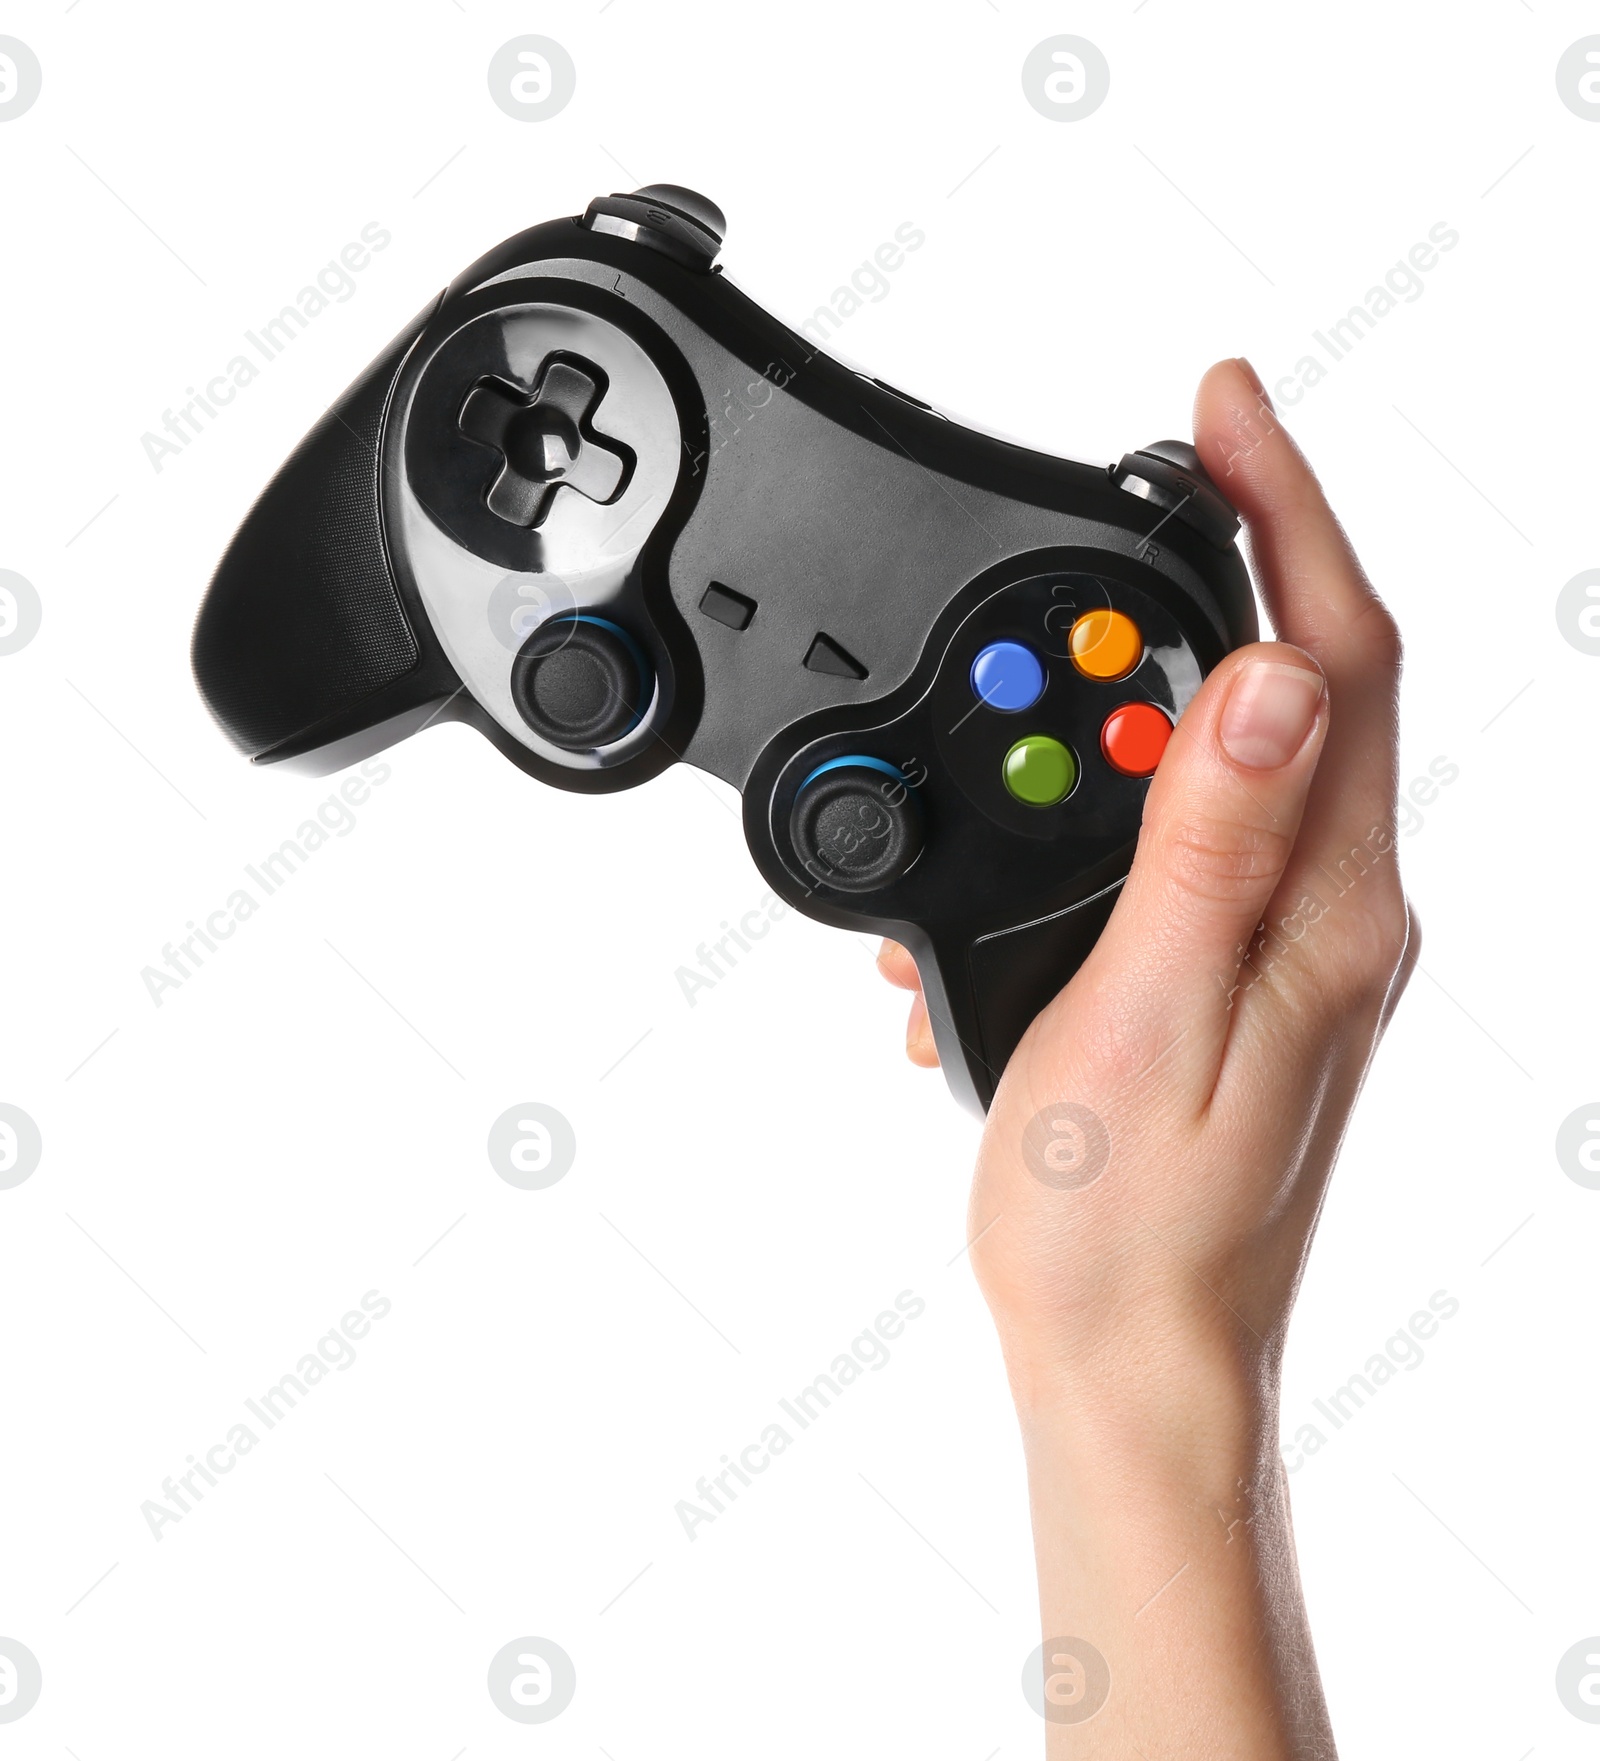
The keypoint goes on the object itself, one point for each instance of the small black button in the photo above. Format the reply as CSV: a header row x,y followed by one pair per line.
x,y
832,658
580,682
855,825
727,607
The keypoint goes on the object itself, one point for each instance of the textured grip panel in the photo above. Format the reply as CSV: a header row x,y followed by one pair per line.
x,y
303,619
1017,972
983,997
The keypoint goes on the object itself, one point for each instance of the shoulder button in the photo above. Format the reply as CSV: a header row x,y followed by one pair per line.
x,y
679,223
1169,474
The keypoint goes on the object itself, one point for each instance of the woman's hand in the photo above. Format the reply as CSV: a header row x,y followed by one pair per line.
x,y
1159,1147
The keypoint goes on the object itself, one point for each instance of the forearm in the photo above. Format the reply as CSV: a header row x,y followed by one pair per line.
x,y
1162,1530
1160,1143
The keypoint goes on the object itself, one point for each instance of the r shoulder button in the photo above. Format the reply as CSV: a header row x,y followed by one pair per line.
x,y
1170,476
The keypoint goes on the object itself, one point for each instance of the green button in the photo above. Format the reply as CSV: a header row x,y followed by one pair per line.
x,y
1040,771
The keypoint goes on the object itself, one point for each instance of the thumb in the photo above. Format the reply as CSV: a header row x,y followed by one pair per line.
x,y
1219,824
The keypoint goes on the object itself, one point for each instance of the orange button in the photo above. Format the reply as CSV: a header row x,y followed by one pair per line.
x,y
1105,644
1134,738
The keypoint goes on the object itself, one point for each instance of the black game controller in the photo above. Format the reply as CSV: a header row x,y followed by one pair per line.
x,y
599,504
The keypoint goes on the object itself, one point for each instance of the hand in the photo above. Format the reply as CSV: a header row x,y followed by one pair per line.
x,y
1157,1152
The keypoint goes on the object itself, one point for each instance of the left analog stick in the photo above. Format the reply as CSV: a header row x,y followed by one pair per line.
x,y
580,682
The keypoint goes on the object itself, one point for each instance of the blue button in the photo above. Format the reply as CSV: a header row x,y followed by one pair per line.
x,y
1008,676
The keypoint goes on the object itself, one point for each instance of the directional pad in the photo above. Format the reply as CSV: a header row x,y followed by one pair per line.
x,y
546,442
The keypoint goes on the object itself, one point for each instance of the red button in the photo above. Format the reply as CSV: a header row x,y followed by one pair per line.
x,y
1134,738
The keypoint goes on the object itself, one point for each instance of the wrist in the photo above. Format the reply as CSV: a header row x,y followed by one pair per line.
x,y
1161,1526
1141,1461
1166,1394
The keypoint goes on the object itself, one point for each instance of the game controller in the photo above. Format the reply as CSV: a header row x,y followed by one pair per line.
x,y
598,503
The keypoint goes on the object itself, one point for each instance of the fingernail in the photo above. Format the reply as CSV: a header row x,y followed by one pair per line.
x,y
1269,712
1255,381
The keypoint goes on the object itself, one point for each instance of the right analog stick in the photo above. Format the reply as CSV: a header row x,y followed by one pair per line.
x,y
855,825
580,682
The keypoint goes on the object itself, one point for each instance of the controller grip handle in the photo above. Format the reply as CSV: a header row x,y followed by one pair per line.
x,y
983,995
303,640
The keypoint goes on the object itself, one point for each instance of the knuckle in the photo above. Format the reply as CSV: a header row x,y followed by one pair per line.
x,y
1375,950
1223,861
1107,1047
1352,987
1390,916
1095,1045
1378,635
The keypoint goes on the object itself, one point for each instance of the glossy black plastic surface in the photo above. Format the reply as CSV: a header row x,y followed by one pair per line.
x,y
805,561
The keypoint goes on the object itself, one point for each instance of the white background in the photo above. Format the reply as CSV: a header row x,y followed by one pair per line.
x,y
303,1119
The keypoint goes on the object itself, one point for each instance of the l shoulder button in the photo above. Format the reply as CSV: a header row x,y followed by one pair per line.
x,y
679,223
